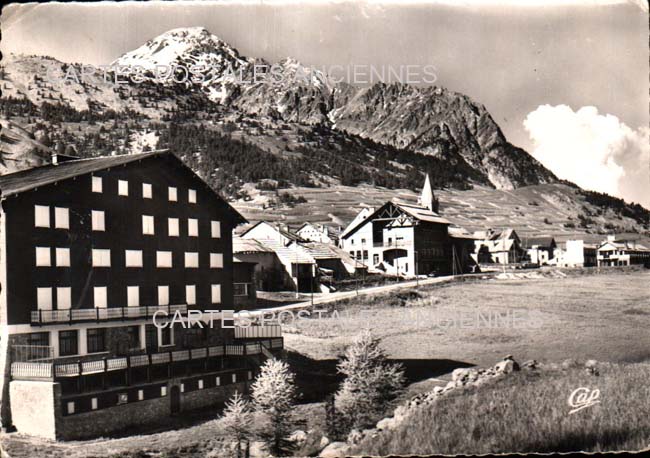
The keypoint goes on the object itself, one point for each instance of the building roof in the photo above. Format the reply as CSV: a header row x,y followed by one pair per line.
x,y
243,246
26,180
543,241
293,254
624,245
460,233
414,211
16,183
422,213
285,233
237,260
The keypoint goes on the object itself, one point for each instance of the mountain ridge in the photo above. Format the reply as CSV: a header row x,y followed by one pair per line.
x,y
430,121
252,139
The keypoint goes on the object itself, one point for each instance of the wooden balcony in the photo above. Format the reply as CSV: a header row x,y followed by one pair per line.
x,y
41,317
58,370
258,332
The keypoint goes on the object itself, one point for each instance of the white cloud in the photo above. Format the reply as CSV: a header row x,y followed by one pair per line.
x,y
595,151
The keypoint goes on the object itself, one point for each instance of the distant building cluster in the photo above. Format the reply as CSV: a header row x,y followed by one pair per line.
x,y
506,247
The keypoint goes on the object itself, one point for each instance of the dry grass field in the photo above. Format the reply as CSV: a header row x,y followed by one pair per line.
x,y
604,317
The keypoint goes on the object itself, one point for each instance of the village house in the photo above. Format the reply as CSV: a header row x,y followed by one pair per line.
x,y
615,252
269,272
278,267
90,250
319,233
331,260
540,250
498,247
405,239
576,253
265,230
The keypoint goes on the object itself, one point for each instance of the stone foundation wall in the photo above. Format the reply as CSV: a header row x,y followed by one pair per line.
x,y
114,419
39,409
210,397
34,407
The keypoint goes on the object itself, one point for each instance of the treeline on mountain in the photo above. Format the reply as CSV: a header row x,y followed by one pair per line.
x,y
17,107
227,162
631,210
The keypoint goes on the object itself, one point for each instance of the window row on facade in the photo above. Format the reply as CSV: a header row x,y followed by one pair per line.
x,y
132,258
98,222
81,342
45,296
97,186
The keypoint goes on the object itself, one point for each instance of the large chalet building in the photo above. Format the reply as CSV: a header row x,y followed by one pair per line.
x,y
90,249
407,239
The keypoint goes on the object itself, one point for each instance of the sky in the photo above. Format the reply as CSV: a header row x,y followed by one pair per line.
x,y
567,80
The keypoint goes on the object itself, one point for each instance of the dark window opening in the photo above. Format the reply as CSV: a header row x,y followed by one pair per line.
x,y
133,333
39,339
68,343
166,336
151,336
96,340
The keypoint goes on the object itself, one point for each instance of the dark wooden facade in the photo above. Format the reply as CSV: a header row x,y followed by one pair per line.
x,y
123,231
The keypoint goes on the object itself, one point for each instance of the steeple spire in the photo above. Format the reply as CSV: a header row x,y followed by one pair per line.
x,y
427,199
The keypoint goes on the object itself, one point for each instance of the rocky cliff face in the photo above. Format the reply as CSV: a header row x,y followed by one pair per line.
x,y
19,150
438,122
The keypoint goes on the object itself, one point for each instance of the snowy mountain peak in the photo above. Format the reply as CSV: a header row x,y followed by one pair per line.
x,y
186,46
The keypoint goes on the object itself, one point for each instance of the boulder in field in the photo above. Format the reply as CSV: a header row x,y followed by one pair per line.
x,y
505,367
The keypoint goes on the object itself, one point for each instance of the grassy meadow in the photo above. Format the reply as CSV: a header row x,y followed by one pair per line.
x,y
604,317
528,412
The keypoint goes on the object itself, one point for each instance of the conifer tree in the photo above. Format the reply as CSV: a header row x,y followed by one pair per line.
x,y
274,395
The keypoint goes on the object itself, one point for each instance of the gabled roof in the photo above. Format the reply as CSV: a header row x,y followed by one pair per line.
x,y
29,179
294,254
414,211
358,219
283,232
243,246
543,241
26,180
422,213
624,245
460,233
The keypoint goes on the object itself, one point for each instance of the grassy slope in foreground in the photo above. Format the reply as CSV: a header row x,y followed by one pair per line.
x,y
528,412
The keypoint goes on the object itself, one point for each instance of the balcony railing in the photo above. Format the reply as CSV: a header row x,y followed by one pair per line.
x,y
258,332
53,370
102,314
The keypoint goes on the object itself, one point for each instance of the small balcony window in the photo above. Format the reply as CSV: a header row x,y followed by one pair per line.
x,y
96,340
68,343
